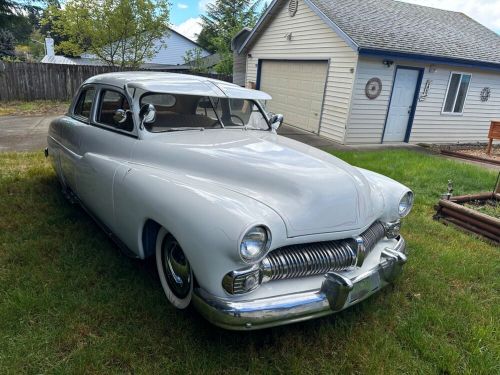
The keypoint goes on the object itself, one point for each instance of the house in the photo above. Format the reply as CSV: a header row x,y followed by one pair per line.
x,y
169,57
239,59
375,71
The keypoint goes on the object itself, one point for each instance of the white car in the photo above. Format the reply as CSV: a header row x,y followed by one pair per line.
x,y
254,229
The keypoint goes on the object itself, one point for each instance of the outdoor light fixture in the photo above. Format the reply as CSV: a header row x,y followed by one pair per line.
x,y
388,63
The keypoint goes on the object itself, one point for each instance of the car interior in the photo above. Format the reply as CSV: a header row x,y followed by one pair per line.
x,y
189,111
110,102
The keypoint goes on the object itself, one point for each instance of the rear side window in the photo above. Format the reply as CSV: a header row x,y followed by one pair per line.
x,y
110,104
84,104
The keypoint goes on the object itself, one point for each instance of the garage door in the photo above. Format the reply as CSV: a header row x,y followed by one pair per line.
x,y
297,88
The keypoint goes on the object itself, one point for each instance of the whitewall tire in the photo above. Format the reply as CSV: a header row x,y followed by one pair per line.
x,y
174,270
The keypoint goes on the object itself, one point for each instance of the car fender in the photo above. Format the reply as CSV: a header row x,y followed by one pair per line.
x,y
207,220
390,192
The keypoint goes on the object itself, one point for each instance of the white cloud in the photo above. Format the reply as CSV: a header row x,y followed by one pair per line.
x,y
486,12
182,6
189,28
202,5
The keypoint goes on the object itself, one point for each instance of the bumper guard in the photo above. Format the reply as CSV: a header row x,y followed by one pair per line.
x,y
336,293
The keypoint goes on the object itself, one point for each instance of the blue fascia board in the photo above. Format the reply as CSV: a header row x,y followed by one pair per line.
x,y
429,59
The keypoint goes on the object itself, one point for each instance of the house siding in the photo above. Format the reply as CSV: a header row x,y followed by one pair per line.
x,y
367,117
312,39
239,69
175,50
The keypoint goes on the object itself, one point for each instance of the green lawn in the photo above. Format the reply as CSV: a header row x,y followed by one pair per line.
x,y
33,108
70,303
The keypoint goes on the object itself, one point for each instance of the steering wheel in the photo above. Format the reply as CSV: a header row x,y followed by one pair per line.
x,y
239,118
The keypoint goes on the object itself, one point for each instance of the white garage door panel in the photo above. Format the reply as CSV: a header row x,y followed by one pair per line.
x,y
297,88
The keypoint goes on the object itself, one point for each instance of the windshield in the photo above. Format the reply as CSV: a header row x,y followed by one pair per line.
x,y
190,112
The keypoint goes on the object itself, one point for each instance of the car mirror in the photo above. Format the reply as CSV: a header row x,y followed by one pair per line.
x,y
276,121
120,116
147,114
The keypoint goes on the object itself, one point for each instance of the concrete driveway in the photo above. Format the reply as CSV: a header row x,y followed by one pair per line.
x,y
30,133
20,133
24,133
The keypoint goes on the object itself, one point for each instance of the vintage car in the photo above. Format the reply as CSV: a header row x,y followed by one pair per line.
x,y
254,229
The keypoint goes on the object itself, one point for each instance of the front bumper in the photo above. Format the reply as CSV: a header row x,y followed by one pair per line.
x,y
336,293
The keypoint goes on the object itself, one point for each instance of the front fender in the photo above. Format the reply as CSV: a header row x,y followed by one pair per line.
x,y
207,220
391,191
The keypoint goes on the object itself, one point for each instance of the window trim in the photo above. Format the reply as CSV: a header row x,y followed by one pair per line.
x,y
95,123
85,120
443,112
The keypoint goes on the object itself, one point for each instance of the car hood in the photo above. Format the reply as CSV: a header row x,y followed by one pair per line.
x,y
311,190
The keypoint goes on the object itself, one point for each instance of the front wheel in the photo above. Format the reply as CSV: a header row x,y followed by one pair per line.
x,y
174,270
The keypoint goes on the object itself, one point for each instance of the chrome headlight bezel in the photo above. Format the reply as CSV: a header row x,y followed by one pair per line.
x,y
405,204
266,244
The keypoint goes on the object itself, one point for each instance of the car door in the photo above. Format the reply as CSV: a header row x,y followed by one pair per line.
x,y
71,128
106,146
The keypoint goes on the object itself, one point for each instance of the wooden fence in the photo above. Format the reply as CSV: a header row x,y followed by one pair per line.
x,y
37,81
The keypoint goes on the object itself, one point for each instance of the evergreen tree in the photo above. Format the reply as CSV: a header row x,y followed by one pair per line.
x,y
223,20
7,43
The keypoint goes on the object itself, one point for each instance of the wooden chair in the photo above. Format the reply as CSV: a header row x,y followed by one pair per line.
x,y
493,134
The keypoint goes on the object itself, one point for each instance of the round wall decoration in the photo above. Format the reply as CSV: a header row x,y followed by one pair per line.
x,y
292,7
485,94
373,88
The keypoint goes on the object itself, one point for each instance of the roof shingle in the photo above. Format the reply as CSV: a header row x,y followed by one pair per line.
x,y
390,25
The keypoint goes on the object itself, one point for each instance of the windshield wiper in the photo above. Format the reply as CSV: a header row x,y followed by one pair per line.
x,y
182,129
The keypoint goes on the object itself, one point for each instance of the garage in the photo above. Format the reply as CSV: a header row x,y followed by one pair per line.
x,y
297,88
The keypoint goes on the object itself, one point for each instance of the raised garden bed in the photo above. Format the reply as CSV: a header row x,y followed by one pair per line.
x,y
478,213
476,152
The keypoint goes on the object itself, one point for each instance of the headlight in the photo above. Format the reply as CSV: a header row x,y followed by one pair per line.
x,y
405,204
255,243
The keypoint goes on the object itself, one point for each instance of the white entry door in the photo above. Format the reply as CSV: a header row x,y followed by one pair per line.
x,y
403,94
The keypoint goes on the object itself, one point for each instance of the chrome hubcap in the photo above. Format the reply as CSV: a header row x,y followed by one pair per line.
x,y
177,269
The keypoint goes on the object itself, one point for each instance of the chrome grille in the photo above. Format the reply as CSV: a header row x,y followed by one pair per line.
x,y
372,235
318,258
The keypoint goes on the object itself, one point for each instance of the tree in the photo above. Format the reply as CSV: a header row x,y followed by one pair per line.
x,y
47,24
20,17
7,44
194,58
118,32
224,19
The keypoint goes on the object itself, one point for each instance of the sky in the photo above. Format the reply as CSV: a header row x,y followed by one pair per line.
x,y
185,14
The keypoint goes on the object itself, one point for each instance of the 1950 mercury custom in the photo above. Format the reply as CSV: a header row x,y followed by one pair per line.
x,y
254,229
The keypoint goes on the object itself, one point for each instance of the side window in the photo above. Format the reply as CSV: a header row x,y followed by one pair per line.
x,y
84,103
205,108
114,110
456,94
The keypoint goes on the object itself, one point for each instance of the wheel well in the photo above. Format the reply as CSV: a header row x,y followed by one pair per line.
x,y
149,234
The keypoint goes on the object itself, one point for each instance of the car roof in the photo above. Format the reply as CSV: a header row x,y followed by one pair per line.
x,y
174,83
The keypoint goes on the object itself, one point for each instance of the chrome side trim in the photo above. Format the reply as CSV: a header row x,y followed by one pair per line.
x,y
336,293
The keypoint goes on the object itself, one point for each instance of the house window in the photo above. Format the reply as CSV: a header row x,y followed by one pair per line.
x,y
457,92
